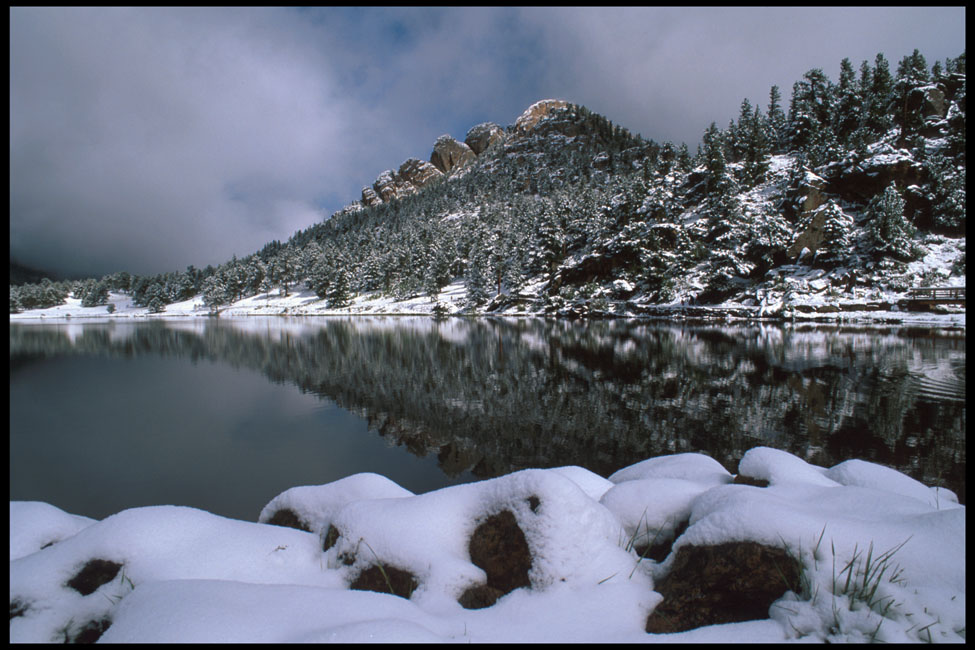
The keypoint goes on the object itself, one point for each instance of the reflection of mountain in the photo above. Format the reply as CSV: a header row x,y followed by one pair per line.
x,y
496,396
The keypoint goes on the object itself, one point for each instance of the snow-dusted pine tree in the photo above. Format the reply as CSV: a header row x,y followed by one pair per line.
x,y
889,232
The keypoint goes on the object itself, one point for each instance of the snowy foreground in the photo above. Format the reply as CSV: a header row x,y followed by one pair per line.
x,y
190,576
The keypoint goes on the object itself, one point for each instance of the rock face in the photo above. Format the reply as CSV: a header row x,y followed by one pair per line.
x,y
812,237
813,193
860,183
448,154
483,136
412,175
418,173
726,583
933,103
369,197
527,121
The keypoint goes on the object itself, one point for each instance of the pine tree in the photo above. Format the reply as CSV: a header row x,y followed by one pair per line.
x,y
156,305
776,122
717,182
947,194
912,74
756,149
339,291
880,97
320,278
810,117
837,236
477,280
889,232
15,304
437,273
848,115
93,293
214,291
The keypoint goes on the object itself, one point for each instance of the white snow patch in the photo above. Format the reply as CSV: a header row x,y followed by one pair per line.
x,y
189,576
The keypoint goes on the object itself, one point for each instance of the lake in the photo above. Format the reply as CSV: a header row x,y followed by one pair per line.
x,y
224,414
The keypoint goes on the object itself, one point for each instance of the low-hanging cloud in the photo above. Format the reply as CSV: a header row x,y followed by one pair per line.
x,y
155,139
151,139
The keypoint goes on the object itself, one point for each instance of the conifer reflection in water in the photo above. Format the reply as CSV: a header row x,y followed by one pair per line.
x,y
497,395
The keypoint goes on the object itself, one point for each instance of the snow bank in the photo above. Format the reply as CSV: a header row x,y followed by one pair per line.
x,y
178,574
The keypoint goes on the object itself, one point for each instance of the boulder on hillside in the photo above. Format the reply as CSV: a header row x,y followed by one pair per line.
x,y
386,186
369,197
813,193
933,102
413,174
448,154
418,173
483,136
527,121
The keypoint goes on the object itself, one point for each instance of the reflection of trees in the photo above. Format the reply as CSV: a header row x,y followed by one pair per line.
x,y
495,396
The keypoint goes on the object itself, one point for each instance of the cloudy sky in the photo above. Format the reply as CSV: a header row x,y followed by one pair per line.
x,y
150,139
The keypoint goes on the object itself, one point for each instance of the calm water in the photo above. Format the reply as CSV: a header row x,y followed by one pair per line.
x,y
225,414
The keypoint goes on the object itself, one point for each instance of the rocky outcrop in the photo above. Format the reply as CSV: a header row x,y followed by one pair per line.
x,y
933,102
418,173
388,187
483,136
536,112
813,236
448,154
412,175
369,197
861,181
813,194
725,583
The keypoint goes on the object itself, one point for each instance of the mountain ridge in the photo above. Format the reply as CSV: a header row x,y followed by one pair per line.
x,y
856,194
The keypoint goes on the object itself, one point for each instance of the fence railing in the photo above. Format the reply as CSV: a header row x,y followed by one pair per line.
x,y
937,293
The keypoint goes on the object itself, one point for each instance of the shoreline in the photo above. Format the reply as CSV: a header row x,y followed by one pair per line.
x,y
704,314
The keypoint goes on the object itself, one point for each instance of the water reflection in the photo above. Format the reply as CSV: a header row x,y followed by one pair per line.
x,y
494,396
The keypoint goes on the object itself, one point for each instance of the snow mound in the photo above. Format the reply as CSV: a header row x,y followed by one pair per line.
x,y
871,475
652,509
571,538
35,525
779,467
694,466
882,558
315,505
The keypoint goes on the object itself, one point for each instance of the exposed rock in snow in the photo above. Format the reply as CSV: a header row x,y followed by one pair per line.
x,y
531,556
482,136
527,120
449,154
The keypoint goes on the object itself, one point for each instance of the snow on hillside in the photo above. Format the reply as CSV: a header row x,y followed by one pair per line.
x,y
803,280
176,574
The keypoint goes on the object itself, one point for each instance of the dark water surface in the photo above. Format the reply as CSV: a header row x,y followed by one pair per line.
x,y
224,414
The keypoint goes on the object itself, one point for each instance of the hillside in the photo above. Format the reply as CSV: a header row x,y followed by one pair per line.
x,y
846,201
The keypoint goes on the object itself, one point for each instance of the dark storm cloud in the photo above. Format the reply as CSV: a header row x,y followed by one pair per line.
x,y
152,139
149,139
